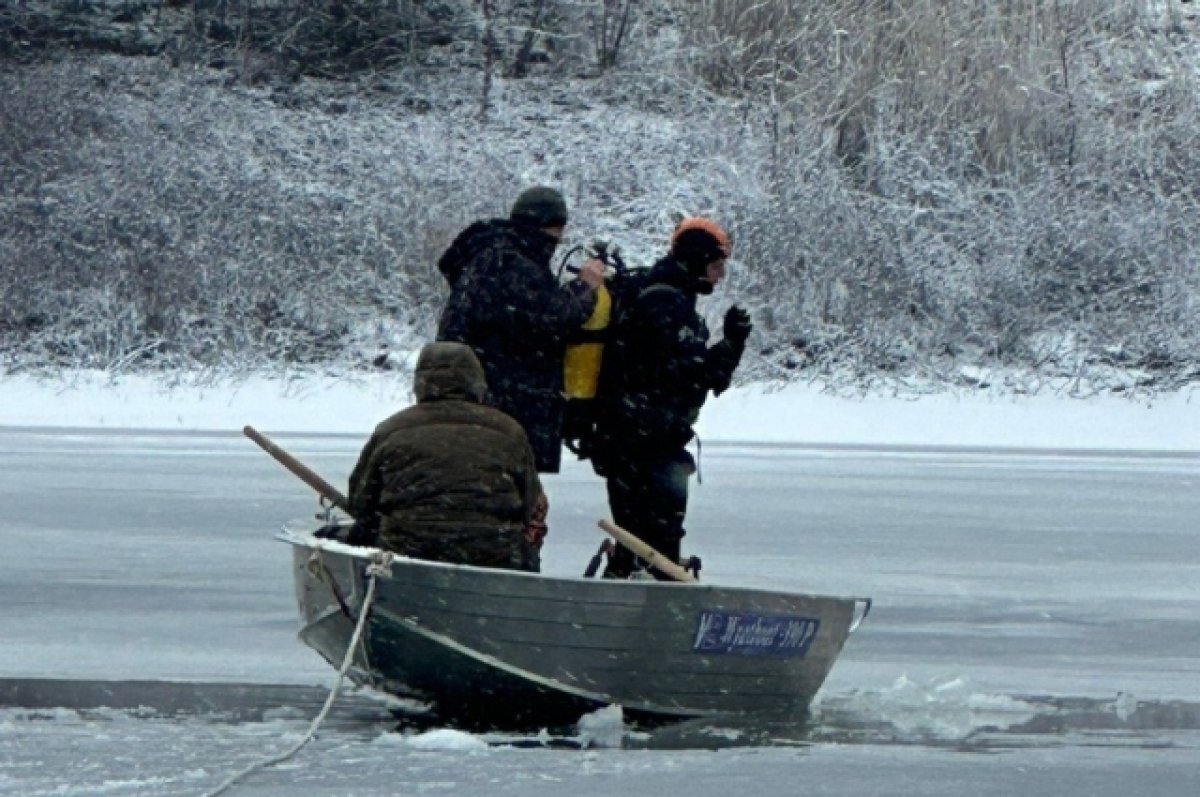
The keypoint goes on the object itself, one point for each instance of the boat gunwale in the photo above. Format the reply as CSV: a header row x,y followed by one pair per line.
x,y
299,540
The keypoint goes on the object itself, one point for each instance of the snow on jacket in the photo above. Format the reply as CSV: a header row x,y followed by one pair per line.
x,y
449,479
506,304
659,369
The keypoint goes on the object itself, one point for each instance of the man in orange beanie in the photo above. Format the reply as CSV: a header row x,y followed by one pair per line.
x,y
660,369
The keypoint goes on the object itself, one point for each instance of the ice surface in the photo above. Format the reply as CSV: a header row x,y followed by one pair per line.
x,y
1038,605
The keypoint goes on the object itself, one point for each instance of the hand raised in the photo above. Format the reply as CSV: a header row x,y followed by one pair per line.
x,y
737,325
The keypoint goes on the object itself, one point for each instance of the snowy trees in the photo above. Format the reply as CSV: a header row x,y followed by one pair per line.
x,y
996,181
917,188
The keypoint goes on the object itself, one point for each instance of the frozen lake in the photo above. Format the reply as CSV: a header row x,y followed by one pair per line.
x,y
1036,627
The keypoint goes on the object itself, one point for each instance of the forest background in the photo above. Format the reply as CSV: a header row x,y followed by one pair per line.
x,y
923,194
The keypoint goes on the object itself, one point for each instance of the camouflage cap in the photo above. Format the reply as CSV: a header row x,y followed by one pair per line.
x,y
541,206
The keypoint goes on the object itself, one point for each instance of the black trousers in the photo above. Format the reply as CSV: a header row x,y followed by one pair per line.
x,y
649,500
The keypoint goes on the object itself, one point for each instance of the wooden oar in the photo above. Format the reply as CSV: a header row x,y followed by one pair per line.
x,y
643,551
323,488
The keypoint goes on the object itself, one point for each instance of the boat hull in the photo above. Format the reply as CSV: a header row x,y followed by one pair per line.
x,y
510,649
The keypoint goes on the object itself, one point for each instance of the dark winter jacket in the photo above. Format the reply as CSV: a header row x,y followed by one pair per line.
x,y
659,370
448,479
507,306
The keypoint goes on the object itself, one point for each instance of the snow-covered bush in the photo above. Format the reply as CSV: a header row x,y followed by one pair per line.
x,y
916,192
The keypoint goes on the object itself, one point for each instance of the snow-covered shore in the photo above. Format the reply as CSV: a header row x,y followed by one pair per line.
x,y
798,414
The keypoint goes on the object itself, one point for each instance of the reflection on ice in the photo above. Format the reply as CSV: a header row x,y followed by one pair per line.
x,y
911,712
951,713
941,713
73,752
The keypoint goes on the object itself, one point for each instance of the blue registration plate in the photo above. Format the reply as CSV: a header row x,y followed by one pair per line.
x,y
754,634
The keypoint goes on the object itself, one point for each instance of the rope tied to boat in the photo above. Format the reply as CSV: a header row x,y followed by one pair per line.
x,y
380,565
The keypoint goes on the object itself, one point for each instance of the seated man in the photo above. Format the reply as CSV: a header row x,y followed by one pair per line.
x,y
450,479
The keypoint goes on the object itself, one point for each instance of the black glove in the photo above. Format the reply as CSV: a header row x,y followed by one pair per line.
x,y
737,325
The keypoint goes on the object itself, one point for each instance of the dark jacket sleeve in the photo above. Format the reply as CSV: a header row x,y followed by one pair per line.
x,y
722,360
689,363
530,304
507,295
531,485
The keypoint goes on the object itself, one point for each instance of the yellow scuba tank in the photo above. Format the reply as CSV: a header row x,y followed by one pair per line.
x,y
581,364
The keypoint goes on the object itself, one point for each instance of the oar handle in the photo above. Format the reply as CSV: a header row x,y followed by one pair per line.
x,y
643,551
301,471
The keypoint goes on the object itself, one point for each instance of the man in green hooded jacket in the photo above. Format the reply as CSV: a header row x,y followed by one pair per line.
x,y
448,478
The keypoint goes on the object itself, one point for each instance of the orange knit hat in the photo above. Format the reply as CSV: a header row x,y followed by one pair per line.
x,y
716,237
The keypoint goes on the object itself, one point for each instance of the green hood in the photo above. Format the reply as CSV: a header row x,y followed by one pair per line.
x,y
449,371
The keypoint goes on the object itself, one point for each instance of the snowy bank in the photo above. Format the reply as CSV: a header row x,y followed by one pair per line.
x,y
798,414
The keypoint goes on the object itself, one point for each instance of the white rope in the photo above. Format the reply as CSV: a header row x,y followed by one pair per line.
x,y
381,564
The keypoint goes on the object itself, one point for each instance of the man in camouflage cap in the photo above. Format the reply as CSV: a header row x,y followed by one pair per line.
x,y
508,306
